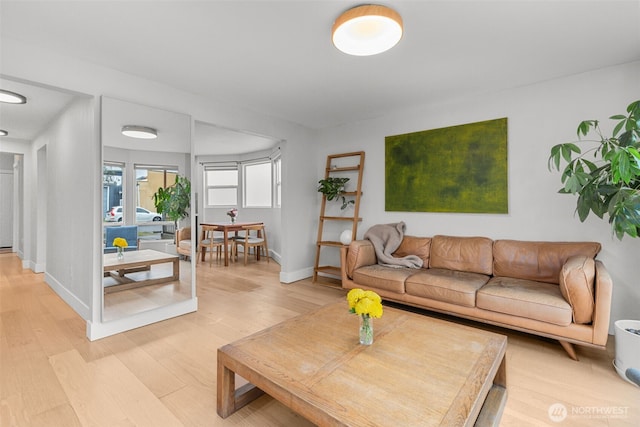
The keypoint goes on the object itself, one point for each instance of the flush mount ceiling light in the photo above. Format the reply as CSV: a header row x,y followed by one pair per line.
x,y
367,30
12,97
3,132
141,132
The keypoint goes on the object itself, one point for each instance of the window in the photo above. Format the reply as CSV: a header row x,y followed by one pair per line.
x,y
112,195
148,180
221,184
277,181
257,185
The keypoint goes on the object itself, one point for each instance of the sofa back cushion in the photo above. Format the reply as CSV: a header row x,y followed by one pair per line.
x,y
411,245
539,261
576,285
472,254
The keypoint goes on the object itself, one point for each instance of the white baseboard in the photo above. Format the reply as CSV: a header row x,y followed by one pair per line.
x,y
294,276
99,330
275,256
33,266
78,306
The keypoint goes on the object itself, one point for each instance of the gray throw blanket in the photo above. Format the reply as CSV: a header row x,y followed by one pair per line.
x,y
386,239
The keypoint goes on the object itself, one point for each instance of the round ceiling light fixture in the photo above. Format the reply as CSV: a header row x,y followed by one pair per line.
x,y
3,132
141,132
367,30
12,97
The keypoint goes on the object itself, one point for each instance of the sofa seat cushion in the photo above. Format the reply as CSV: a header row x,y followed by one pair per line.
x,y
383,277
525,298
455,287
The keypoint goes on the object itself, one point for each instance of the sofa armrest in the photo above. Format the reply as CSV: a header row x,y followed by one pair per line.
x,y
358,254
602,309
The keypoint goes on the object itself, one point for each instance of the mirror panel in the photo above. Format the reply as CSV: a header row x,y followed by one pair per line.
x,y
133,170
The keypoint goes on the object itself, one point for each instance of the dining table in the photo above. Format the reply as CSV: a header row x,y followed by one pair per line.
x,y
226,228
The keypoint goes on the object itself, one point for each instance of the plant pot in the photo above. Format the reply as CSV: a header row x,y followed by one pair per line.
x,y
627,348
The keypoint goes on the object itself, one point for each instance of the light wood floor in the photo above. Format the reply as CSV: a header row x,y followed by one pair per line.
x,y
165,374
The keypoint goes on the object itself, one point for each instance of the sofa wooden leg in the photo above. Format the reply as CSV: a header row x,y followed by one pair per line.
x,y
569,348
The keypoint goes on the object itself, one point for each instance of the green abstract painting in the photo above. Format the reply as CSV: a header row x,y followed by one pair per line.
x,y
454,169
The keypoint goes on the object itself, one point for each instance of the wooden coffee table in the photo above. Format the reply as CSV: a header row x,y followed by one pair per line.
x,y
136,261
419,370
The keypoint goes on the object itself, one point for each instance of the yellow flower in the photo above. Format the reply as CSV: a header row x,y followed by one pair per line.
x,y
372,296
376,310
367,303
120,242
353,296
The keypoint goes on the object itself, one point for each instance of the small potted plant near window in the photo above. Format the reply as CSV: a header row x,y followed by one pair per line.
x,y
609,185
333,189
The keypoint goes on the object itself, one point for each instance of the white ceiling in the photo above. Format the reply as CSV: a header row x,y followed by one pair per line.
x,y
276,57
24,121
173,129
222,141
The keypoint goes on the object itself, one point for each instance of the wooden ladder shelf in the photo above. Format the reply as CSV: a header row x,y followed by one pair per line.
x,y
345,164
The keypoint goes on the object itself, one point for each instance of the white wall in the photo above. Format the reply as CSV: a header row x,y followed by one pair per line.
x,y
539,116
72,153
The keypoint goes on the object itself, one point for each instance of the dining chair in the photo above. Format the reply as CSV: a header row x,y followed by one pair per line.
x,y
210,241
252,236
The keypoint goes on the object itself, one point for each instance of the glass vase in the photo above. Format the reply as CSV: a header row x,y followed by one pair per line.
x,y
366,330
120,253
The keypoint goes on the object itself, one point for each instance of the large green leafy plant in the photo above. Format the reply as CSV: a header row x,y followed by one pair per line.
x,y
174,201
610,183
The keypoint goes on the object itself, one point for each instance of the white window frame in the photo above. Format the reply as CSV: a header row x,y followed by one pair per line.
x,y
245,182
212,186
276,169
123,189
166,183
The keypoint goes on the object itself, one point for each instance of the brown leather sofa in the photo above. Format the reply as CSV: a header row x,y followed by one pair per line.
x,y
553,289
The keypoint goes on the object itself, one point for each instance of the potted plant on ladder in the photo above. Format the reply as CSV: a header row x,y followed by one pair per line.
x,y
334,188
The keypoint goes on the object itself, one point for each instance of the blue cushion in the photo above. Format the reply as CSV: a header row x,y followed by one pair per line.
x,y
127,232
